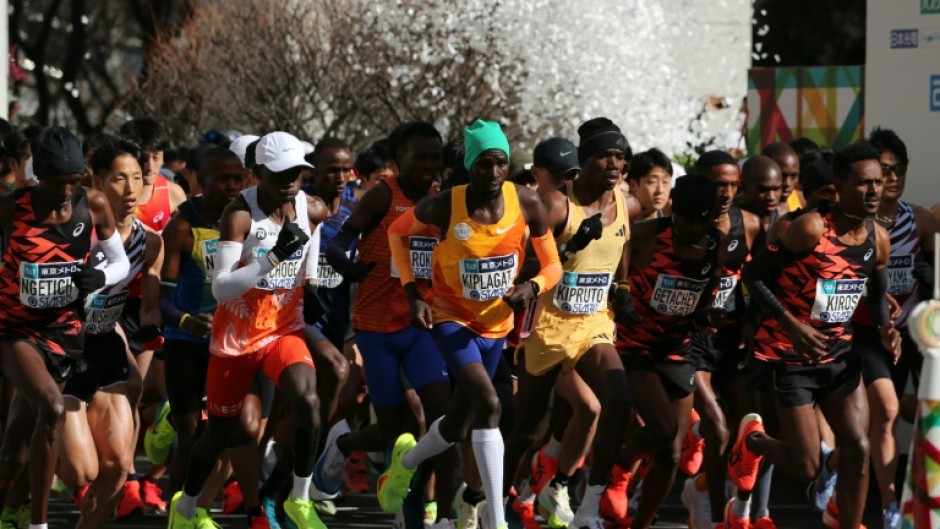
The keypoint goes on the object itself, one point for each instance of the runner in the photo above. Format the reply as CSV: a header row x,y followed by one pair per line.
x,y
265,251
819,190
43,280
676,264
718,358
650,178
911,231
808,287
471,304
761,184
554,161
389,344
373,165
789,163
574,330
98,442
160,198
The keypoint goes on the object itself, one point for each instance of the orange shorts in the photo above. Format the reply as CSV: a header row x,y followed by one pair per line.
x,y
229,378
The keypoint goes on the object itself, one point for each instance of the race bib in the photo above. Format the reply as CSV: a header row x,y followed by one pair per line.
x,y
102,312
420,251
724,299
901,275
836,299
327,276
287,273
581,293
676,296
488,278
209,249
47,285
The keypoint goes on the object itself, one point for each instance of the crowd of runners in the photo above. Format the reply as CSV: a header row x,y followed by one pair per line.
x,y
271,320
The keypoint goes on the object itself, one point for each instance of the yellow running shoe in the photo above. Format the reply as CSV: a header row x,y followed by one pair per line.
x,y
177,520
394,483
160,435
303,513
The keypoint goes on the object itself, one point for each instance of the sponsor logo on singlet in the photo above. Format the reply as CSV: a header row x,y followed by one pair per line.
x,y
676,296
102,312
79,228
285,275
462,231
724,299
327,276
836,299
209,248
488,278
47,285
582,293
901,274
421,249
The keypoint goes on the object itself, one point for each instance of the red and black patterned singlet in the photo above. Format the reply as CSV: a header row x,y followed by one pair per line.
x,y
666,294
37,297
821,289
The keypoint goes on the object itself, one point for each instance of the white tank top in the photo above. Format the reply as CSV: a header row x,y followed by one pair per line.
x,y
262,237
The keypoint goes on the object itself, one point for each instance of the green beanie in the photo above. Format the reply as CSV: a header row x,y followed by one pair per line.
x,y
482,136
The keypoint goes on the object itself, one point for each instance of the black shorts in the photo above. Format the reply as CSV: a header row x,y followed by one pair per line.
x,y
678,377
60,367
105,365
719,354
806,384
130,323
876,361
187,364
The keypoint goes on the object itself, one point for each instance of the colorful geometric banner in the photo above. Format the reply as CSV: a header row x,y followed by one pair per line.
x,y
920,501
824,104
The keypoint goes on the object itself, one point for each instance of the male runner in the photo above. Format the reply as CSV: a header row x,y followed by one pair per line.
x,y
676,265
160,198
819,189
789,163
554,161
761,184
808,287
43,280
650,178
484,226
265,251
574,330
718,356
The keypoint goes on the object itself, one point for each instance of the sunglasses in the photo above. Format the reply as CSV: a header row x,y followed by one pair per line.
x,y
900,169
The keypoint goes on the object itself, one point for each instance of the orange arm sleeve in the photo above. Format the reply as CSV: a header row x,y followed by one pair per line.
x,y
398,233
547,252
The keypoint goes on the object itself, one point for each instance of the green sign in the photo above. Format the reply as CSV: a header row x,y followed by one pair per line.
x,y
930,7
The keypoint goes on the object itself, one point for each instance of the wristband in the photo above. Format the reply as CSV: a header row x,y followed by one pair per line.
x,y
273,259
183,319
622,285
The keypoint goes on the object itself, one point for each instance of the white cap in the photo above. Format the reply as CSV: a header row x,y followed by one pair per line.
x,y
30,175
240,144
279,151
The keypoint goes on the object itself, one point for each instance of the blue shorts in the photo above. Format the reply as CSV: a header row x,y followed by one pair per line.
x,y
460,346
386,355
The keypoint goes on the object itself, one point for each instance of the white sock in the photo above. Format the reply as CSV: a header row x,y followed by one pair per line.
x,y
38,526
301,490
741,509
186,506
488,451
430,445
553,448
590,503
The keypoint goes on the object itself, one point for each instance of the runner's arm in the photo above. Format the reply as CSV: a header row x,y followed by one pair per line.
x,y
229,280
878,284
177,242
433,210
109,240
541,237
366,215
150,282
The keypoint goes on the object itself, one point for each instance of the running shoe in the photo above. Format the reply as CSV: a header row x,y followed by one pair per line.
x,y
232,500
587,522
544,469
204,521
159,436
743,464
152,495
269,504
468,516
131,503
303,513
692,449
393,483
525,511
891,517
764,522
328,472
555,506
443,524
355,470
733,522
830,517
80,496
177,520
430,513
261,521
614,502
698,503
822,488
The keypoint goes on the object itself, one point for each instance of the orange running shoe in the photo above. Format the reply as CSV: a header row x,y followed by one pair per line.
x,y
544,469
830,518
742,463
152,495
259,522
356,469
232,500
614,502
731,521
526,513
80,495
692,449
131,503
764,522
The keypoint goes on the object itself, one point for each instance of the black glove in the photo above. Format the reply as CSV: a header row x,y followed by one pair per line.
x,y
289,241
621,301
313,307
590,229
151,337
87,279
923,273
357,271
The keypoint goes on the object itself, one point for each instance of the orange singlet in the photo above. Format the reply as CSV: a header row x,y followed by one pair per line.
x,y
155,214
476,264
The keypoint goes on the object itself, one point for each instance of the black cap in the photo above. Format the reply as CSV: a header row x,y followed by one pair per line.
x,y
695,196
56,152
600,134
556,155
